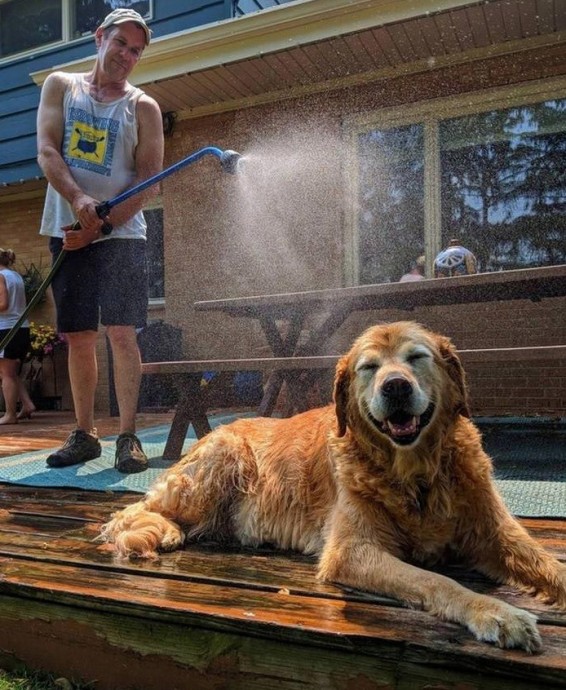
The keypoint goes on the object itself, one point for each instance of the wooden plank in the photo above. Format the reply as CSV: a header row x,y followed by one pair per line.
x,y
520,284
373,628
258,569
250,364
131,653
506,354
513,354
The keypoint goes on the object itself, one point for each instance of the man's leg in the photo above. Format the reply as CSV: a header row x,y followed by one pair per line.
x,y
75,290
83,443
83,376
127,374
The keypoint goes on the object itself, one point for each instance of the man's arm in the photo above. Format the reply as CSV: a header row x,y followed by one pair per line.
x,y
149,159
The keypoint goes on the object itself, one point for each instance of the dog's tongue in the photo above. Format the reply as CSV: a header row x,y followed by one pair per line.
x,y
405,428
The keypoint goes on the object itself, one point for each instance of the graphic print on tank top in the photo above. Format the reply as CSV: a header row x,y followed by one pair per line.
x,y
90,141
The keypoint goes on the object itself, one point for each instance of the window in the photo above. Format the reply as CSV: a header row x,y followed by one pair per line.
x,y
155,258
391,220
27,25
242,7
494,180
503,185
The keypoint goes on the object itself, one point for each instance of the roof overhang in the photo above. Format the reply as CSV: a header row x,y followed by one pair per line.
x,y
314,45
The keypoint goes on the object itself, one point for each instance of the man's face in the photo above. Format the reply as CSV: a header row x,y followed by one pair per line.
x,y
120,48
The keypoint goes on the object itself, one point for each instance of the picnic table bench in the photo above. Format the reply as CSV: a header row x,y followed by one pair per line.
x,y
282,318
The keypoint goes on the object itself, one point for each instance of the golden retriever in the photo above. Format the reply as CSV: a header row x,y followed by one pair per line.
x,y
389,476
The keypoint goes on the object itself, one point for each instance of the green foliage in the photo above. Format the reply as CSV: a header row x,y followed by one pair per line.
x,y
33,276
25,679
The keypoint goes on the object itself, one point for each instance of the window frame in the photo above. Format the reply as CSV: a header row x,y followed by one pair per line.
x,y
429,114
67,7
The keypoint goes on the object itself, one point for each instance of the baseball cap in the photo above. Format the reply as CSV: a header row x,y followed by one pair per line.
x,y
125,15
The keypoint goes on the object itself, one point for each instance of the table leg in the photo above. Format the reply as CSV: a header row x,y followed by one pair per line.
x,y
283,343
190,409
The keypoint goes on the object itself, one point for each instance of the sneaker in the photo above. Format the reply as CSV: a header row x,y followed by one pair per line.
x,y
79,447
130,457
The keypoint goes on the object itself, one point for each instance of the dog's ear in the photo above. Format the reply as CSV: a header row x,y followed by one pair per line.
x,y
456,372
341,387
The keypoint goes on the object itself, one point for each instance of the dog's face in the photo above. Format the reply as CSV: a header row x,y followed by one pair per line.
x,y
397,379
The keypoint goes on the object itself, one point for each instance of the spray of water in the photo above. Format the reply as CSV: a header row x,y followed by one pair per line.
x,y
287,198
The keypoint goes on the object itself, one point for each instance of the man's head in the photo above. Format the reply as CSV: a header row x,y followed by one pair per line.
x,y
121,16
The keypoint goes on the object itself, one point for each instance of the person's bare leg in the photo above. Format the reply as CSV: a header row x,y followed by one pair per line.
x,y
9,376
127,374
83,376
27,403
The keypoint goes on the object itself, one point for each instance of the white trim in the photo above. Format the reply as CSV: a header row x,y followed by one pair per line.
x,y
468,104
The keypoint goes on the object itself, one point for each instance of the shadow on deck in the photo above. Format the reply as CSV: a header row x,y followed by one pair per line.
x,y
236,619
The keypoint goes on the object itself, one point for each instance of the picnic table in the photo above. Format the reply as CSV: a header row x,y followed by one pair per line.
x,y
297,357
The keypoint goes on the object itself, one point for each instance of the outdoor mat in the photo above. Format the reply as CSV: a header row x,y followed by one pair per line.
x,y
30,468
530,467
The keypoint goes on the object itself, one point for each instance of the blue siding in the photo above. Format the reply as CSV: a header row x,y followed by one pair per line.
x,y
19,95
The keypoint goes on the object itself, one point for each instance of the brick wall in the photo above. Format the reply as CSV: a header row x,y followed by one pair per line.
x,y
217,245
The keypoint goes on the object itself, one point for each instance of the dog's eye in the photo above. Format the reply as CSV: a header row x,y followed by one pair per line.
x,y
415,356
368,366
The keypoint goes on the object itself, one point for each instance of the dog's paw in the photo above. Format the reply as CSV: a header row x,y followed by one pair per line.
x,y
561,594
506,626
173,538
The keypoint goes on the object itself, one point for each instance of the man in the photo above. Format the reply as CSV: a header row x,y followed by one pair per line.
x,y
97,136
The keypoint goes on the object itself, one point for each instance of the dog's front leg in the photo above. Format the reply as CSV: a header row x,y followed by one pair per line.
x,y
359,561
501,547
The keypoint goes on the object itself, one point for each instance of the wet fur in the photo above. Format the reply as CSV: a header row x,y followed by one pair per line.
x,y
333,483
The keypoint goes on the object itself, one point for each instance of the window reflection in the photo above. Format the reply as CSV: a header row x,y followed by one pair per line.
x,y
28,24
89,13
504,185
501,190
391,198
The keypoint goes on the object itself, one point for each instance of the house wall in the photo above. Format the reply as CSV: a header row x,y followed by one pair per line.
x,y
280,227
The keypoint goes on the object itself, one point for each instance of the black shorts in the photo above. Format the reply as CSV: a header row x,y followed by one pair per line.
x,y
104,282
19,346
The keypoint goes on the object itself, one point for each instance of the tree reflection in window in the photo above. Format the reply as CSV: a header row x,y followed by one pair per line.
x,y
89,13
503,181
391,197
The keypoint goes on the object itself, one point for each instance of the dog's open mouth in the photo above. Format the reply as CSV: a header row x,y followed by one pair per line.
x,y
404,428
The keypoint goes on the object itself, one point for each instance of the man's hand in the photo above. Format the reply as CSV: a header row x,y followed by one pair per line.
x,y
77,237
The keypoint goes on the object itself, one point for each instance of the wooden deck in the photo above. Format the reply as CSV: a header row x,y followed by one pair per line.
x,y
230,618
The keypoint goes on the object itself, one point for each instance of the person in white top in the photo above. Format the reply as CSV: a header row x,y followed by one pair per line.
x,y
416,271
97,135
12,306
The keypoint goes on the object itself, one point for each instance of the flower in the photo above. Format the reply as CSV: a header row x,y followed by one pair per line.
x,y
44,339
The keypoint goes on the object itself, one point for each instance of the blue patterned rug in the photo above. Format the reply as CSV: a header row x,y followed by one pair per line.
x,y
530,468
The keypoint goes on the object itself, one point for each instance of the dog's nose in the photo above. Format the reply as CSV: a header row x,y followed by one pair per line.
x,y
397,387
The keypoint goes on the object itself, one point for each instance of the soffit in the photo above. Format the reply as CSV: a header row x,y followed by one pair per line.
x,y
314,45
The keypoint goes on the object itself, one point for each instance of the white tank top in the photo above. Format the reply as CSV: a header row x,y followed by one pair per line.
x,y
16,299
99,147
